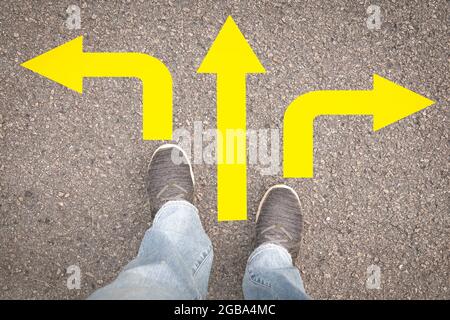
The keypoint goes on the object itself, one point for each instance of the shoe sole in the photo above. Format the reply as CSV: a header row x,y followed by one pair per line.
x,y
277,186
171,145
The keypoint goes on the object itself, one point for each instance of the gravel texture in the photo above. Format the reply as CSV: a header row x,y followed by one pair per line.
x,y
72,167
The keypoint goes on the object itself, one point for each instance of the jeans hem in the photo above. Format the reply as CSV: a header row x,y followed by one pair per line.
x,y
173,204
265,246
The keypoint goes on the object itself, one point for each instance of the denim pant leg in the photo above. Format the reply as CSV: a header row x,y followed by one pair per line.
x,y
174,259
271,275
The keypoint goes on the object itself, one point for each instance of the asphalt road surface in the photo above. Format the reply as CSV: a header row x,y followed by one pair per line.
x,y
72,167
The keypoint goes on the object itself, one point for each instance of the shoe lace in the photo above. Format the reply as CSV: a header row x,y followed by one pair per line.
x,y
280,236
167,193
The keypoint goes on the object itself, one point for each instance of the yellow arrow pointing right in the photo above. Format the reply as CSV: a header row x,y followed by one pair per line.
x,y
387,103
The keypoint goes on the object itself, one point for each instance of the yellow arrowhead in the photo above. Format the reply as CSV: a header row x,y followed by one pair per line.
x,y
62,64
230,53
394,102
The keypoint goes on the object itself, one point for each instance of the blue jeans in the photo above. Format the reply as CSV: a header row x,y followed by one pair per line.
x,y
175,257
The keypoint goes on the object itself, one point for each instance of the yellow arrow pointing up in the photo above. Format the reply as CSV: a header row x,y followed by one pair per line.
x,y
68,65
231,58
387,103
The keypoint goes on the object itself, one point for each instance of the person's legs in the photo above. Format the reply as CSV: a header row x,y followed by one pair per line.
x,y
270,272
175,257
270,275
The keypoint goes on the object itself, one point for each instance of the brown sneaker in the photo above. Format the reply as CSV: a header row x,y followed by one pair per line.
x,y
170,177
279,220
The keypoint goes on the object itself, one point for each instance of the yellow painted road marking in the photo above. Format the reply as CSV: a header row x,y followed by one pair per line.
x,y
68,65
387,103
231,58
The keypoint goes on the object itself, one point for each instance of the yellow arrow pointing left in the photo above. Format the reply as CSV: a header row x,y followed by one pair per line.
x,y
68,65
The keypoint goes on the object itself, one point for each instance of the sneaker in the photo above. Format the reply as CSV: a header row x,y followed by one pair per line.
x,y
170,177
279,220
